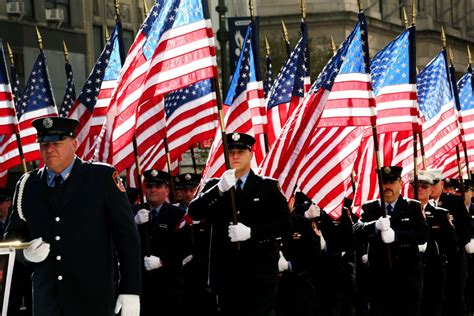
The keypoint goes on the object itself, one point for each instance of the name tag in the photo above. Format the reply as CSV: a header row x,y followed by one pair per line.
x,y
406,219
256,199
163,226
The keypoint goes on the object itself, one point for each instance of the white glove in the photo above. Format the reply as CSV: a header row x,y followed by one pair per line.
x,y
364,259
37,251
322,242
142,216
470,246
227,180
129,304
239,232
313,211
422,248
383,223
152,263
388,236
282,263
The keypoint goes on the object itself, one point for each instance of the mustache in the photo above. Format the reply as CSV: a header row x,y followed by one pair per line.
x,y
387,190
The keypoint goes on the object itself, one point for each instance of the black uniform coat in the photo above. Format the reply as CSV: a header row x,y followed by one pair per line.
x,y
86,224
396,290
245,279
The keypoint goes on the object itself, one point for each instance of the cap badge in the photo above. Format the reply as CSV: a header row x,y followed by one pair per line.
x,y
387,170
187,176
236,136
47,122
154,173
176,179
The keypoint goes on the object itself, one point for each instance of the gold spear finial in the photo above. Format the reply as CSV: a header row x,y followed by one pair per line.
x,y
303,9
285,32
451,56
443,37
10,54
359,5
145,8
417,70
469,57
107,35
413,12
405,18
38,36
66,52
252,13
333,46
267,45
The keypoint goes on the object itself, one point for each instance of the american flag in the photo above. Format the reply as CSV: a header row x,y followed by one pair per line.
x,y
8,119
318,145
191,117
174,48
15,84
288,89
92,103
267,86
70,94
243,107
37,101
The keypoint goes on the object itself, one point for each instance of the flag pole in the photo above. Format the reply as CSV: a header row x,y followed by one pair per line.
x,y
452,72
469,69
286,40
17,133
66,52
193,158
412,80
422,146
145,9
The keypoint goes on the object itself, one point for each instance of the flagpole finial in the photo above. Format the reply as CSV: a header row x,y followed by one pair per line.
x,y
10,54
417,70
267,45
107,35
451,56
252,13
359,5
39,38
285,32
413,12
303,9
405,18
469,56
333,46
117,9
66,52
145,8
443,37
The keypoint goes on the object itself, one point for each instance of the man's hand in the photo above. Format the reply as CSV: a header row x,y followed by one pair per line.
x,y
383,223
239,232
227,180
152,263
37,251
470,246
388,236
142,216
422,247
129,304
282,263
313,211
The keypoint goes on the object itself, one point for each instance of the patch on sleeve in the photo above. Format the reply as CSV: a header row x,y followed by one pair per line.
x,y
118,181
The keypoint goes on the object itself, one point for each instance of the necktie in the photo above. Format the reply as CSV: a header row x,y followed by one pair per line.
x,y
389,209
154,213
58,181
238,186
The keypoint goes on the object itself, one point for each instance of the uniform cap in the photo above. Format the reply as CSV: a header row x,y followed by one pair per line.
x,y
156,177
240,141
54,128
187,180
390,173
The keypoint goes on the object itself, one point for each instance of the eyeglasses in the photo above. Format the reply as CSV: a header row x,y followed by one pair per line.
x,y
421,185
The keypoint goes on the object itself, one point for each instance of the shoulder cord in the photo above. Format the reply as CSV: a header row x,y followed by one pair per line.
x,y
21,188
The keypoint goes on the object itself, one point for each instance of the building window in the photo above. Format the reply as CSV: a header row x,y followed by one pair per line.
x,y
127,40
98,41
28,11
60,4
95,8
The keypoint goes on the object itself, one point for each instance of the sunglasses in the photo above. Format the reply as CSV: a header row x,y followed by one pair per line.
x,y
421,185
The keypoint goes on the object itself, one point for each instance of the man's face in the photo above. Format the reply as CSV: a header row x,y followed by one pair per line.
x,y
189,194
240,159
436,190
178,195
391,190
4,208
424,190
58,155
156,194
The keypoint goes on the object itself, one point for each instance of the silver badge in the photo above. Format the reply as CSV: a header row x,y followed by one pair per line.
x,y
187,176
387,170
176,179
236,136
47,122
154,173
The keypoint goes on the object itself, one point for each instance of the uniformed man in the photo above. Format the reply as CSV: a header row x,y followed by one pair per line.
x,y
456,269
6,196
77,216
244,266
468,193
442,238
396,269
187,183
163,246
